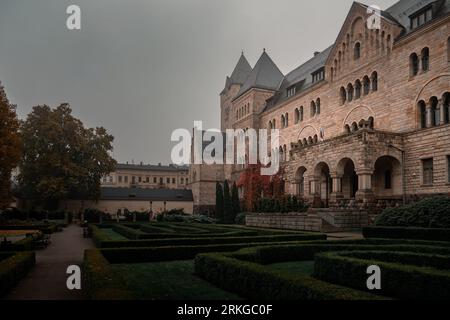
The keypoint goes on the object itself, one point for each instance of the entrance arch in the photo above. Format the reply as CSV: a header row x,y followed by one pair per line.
x,y
322,179
387,178
346,170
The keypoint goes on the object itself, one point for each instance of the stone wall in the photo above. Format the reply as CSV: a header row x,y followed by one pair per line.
x,y
295,221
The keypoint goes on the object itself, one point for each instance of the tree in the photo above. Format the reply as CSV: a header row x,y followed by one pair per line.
x,y
235,200
227,204
219,203
62,159
10,147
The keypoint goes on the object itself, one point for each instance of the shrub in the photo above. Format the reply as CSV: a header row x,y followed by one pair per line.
x,y
407,233
261,283
240,218
219,203
427,213
13,267
100,281
398,280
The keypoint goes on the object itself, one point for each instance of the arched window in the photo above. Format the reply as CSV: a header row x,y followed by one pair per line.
x,y
318,106
270,125
281,154
366,85
274,124
435,112
446,101
316,138
371,122
350,91
285,153
357,53
313,108
358,89
296,116
347,129
283,122
423,114
413,64
286,120
301,113
425,59
343,95
374,79
354,127
305,142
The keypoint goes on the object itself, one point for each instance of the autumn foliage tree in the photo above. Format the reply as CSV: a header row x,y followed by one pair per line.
x,y
10,147
62,159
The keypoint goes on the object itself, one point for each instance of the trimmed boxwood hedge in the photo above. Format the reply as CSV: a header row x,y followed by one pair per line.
x,y
168,253
433,260
13,267
397,280
305,251
44,228
261,283
208,241
407,233
100,281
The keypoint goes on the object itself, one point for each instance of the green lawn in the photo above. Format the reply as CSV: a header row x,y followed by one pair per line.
x,y
305,267
172,280
114,236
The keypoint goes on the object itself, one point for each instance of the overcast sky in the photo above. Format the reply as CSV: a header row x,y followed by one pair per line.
x,y
142,68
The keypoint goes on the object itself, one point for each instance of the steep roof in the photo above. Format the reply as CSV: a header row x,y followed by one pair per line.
x,y
301,77
109,193
150,167
403,9
265,75
240,73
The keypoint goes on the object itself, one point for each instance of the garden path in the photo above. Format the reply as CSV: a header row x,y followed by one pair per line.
x,y
47,280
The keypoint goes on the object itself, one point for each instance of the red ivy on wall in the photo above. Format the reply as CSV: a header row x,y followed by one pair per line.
x,y
256,185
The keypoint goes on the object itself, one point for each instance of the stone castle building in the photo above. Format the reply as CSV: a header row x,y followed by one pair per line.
x,y
364,123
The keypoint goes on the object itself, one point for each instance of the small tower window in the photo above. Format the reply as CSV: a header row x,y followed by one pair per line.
x,y
357,53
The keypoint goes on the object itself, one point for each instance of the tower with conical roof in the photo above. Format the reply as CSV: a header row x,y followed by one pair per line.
x,y
233,84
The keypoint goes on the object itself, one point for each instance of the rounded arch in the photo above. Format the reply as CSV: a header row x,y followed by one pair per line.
x,y
346,170
429,89
350,92
306,131
358,113
300,181
387,177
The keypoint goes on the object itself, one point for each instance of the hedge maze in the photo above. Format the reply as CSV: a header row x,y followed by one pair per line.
x,y
267,264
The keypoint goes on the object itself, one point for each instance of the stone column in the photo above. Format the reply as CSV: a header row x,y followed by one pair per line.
x,y
441,111
314,192
365,193
336,189
429,115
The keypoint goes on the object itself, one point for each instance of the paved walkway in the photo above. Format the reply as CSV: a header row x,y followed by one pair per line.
x,y
47,280
336,236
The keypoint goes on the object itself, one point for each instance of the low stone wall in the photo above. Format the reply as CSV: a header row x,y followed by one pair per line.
x,y
345,219
291,221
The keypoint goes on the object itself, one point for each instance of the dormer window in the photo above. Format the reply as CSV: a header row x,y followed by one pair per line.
x,y
291,91
318,75
420,18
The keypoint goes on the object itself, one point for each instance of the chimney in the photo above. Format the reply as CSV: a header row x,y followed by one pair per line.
x,y
141,163
316,53
159,164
